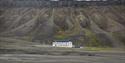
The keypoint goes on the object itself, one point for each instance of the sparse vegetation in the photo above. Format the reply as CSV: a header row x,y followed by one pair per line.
x,y
29,28
93,40
87,26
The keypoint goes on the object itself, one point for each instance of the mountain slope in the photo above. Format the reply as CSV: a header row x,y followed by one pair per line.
x,y
86,26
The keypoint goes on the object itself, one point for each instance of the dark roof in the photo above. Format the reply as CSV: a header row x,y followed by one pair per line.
x,y
62,40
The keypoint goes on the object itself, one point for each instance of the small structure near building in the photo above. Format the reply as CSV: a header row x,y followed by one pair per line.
x,y
62,44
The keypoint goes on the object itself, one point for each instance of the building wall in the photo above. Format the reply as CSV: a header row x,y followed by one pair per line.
x,y
62,44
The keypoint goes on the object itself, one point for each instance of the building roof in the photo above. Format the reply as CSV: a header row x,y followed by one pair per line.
x,y
62,40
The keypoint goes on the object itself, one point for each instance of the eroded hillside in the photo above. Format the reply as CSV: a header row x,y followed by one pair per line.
x,y
86,26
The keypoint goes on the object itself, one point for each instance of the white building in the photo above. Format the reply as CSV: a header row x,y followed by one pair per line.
x,y
62,44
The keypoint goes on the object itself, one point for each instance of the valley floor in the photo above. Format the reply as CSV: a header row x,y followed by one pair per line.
x,y
31,58
59,55
19,51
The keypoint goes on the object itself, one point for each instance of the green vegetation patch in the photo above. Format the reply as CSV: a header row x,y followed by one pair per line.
x,y
61,36
93,40
97,48
120,36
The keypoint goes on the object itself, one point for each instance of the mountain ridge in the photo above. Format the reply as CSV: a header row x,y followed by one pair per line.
x,y
85,26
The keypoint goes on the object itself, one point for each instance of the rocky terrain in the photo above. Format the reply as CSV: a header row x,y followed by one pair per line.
x,y
28,28
86,26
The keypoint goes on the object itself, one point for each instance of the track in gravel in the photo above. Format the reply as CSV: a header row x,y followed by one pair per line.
x,y
30,58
